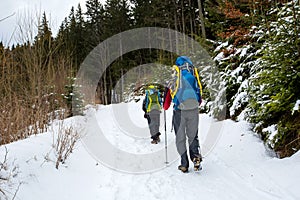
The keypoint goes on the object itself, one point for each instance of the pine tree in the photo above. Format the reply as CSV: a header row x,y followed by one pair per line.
x,y
117,17
80,37
276,85
61,39
71,37
44,34
43,41
95,23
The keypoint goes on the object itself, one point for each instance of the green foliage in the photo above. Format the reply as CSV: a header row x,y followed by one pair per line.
x,y
117,17
276,86
287,141
94,24
264,81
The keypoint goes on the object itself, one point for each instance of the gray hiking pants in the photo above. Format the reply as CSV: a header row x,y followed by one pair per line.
x,y
186,125
154,121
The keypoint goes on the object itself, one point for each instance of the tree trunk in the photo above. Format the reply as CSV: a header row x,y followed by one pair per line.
x,y
105,88
183,25
191,23
176,28
122,84
200,4
110,88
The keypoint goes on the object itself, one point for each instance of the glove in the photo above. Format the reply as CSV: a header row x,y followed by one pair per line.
x,y
146,115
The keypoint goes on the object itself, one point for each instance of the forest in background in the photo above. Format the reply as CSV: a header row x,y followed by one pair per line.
x,y
255,44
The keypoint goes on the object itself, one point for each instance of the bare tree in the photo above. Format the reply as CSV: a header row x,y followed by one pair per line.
x,y
30,88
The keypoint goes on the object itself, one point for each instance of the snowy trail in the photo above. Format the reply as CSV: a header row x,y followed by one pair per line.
x,y
237,167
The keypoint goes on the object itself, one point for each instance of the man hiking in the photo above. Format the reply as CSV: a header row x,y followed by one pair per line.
x,y
152,105
185,92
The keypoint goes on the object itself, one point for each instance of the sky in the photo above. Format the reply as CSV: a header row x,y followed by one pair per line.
x,y
18,10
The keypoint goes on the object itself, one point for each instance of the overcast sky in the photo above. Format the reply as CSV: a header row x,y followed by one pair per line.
x,y
56,11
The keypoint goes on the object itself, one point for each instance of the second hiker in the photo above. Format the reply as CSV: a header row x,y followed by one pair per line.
x,y
152,107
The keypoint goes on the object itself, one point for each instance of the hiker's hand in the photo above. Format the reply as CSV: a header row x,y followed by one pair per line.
x,y
146,115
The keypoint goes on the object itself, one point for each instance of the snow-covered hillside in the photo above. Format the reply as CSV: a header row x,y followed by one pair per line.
x,y
236,164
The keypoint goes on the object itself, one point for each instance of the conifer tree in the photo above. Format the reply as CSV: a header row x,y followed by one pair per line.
x,y
117,17
80,37
277,81
94,24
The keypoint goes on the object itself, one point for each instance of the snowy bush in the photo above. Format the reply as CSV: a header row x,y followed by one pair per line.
x,y
8,171
235,63
275,86
64,140
262,78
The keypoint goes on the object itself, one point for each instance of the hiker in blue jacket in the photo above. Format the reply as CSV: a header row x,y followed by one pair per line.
x,y
185,92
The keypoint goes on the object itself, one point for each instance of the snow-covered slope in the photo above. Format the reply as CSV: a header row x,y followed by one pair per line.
x,y
236,164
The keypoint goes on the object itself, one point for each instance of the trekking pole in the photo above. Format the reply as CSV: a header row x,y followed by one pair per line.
x,y
166,144
172,125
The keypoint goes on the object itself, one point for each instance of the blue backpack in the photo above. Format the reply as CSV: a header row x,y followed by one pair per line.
x,y
187,90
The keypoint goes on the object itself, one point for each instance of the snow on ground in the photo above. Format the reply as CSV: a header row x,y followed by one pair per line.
x,y
236,164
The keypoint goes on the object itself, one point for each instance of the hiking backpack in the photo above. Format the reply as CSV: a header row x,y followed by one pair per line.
x,y
187,90
152,100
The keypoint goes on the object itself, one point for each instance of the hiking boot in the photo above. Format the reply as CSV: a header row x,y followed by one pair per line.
x,y
183,169
197,165
158,139
155,140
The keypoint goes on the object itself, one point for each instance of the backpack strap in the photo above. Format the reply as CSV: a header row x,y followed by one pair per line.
x,y
149,103
147,100
198,80
178,69
173,91
150,100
